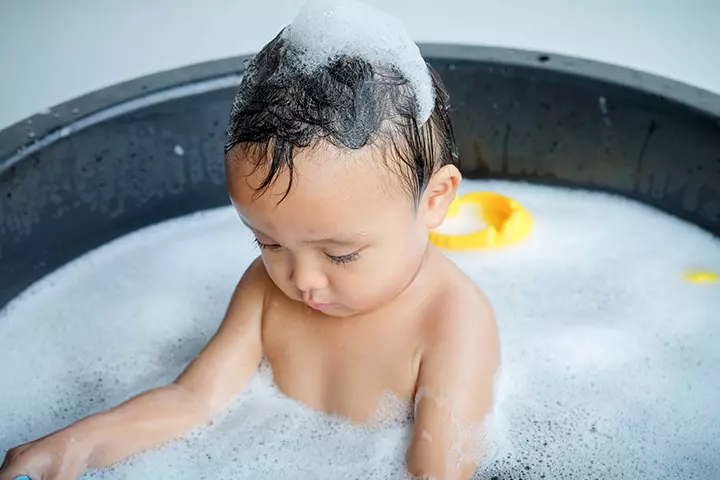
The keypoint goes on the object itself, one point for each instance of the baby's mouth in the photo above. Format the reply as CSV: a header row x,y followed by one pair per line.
x,y
319,306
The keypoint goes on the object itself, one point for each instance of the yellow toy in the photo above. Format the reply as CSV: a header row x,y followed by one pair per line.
x,y
701,276
507,222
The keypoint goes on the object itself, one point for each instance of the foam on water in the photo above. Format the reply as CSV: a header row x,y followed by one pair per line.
x,y
467,220
610,358
267,435
326,29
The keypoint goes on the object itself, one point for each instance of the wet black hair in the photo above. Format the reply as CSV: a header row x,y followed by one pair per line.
x,y
281,107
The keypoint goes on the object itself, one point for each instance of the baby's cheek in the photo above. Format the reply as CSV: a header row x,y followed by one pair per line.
x,y
357,288
384,279
279,273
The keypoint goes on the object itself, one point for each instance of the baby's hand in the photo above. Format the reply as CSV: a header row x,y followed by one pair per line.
x,y
54,457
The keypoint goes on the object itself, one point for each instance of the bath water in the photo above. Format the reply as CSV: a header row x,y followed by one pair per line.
x,y
610,357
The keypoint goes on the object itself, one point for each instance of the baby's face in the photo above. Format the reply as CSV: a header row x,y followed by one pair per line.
x,y
346,239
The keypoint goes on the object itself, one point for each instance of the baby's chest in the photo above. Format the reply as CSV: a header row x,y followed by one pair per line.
x,y
339,368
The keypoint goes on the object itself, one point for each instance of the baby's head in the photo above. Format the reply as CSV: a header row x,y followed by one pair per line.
x,y
338,176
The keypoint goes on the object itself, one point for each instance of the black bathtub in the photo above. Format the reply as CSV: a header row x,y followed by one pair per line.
x,y
140,152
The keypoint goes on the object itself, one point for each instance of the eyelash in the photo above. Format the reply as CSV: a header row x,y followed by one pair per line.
x,y
339,260
344,259
265,246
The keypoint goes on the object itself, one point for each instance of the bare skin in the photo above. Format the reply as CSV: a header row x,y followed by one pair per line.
x,y
348,301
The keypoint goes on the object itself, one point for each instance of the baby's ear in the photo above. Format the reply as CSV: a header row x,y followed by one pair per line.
x,y
439,194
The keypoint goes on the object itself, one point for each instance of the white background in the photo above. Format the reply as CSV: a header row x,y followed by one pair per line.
x,y
52,50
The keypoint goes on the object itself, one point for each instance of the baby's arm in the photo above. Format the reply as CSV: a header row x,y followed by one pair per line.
x,y
455,394
155,417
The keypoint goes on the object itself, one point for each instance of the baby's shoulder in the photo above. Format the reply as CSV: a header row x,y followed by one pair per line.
x,y
256,277
458,312
255,286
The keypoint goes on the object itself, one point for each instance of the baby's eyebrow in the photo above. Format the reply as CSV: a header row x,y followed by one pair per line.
x,y
247,225
341,240
254,230
348,239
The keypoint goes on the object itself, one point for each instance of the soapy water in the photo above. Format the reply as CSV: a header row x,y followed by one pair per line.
x,y
468,219
610,358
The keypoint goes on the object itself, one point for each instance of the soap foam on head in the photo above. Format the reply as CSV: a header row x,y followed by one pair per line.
x,y
327,29
610,358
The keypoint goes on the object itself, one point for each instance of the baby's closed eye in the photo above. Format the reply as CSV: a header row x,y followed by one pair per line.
x,y
343,259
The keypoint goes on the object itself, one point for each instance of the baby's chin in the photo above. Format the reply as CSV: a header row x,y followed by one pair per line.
x,y
338,310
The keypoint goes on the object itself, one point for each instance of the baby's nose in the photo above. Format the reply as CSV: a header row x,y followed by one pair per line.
x,y
308,278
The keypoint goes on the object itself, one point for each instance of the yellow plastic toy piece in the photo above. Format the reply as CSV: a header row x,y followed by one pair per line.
x,y
701,276
454,207
507,222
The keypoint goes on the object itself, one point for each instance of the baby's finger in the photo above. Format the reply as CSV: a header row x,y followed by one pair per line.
x,y
11,473
8,472
13,468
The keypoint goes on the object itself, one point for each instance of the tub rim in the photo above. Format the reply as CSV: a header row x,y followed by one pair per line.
x,y
21,139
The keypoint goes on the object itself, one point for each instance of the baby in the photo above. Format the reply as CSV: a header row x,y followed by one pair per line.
x,y
340,169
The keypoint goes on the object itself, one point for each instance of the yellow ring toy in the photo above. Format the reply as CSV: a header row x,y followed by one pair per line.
x,y
701,276
507,222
